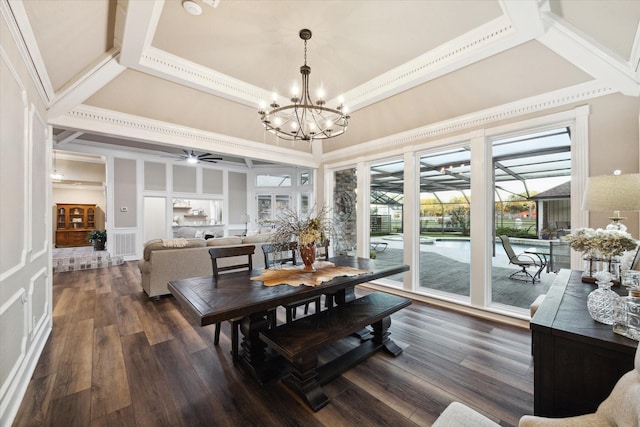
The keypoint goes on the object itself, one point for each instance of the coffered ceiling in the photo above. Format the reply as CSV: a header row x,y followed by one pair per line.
x,y
145,74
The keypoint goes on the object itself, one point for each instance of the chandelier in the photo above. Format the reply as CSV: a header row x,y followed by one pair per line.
x,y
304,119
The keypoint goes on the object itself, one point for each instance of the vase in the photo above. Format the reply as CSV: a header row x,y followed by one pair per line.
x,y
600,303
591,267
626,315
612,265
308,255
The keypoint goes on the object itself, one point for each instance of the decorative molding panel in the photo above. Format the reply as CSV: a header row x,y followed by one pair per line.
x,y
38,302
13,165
13,329
38,212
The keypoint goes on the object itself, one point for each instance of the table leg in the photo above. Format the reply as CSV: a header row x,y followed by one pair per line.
x,y
381,337
304,381
253,355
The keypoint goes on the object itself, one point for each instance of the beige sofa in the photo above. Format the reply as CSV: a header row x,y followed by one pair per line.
x,y
161,263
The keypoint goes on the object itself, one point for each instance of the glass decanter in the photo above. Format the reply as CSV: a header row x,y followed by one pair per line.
x,y
626,315
601,301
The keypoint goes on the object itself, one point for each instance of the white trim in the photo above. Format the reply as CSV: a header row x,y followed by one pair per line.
x,y
538,103
19,26
480,290
590,56
4,275
10,381
128,126
92,81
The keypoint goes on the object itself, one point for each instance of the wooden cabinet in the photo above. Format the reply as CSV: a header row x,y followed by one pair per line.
x,y
576,360
73,222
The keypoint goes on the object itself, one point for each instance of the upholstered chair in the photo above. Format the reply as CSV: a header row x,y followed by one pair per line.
x,y
620,409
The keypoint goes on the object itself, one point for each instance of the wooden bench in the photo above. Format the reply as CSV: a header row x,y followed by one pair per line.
x,y
299,342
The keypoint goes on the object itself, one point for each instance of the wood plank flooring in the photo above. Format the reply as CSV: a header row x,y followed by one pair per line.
x,y
117,358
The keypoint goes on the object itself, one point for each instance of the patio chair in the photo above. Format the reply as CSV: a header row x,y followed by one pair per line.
x,y
522,260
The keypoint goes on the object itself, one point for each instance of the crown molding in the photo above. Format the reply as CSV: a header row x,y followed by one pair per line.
x,y
566,96
127,126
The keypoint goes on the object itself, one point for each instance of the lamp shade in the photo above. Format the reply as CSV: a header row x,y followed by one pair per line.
x,y
612,193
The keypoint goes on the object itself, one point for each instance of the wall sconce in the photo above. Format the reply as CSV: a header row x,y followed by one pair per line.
x,y
613,193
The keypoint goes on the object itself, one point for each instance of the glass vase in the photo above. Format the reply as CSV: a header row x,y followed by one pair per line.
x,y
612,265
600,303
626,315
591,267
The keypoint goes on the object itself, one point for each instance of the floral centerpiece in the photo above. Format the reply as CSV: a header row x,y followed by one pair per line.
x,y
600,245
307,231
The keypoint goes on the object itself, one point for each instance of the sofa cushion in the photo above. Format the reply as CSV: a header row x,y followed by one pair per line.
x,y
224,241
257,238
159,244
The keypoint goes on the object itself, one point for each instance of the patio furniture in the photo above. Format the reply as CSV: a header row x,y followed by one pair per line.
x,y
379,246
522,260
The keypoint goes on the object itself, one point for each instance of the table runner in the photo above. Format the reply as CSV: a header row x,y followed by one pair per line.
x,y
295,276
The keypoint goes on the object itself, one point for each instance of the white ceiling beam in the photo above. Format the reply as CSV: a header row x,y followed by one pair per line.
x,y
92,81
575,47
136,23
67,136
525,17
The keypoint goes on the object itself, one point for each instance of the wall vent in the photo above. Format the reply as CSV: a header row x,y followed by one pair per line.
x,y
124,244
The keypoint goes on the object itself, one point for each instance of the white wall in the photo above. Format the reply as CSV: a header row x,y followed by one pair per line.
x,y
25,246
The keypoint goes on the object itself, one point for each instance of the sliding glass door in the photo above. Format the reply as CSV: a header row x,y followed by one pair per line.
x,y
445,194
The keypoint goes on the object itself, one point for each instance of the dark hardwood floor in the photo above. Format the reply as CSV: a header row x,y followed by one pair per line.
x,y
116,358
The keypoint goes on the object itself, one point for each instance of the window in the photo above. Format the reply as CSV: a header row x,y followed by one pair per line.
x,y
273,180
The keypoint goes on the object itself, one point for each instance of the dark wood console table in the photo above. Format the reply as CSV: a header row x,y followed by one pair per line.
x,y
577,360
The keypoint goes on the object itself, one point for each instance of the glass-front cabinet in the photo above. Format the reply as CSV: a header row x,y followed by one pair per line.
x,y
73,222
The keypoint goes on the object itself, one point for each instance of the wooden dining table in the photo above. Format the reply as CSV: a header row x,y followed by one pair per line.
x,y
235,295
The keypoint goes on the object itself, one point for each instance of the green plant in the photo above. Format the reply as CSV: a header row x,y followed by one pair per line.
x,y
97,236
373,254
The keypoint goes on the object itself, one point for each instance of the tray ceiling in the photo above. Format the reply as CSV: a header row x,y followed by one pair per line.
x,y
414,62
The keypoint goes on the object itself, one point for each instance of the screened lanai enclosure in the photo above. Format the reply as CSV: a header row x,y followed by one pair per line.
x,y
523,166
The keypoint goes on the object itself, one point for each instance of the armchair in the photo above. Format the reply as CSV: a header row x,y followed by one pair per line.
x,y
621,408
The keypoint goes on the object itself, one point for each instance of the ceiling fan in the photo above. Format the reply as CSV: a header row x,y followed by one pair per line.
x,y
192,157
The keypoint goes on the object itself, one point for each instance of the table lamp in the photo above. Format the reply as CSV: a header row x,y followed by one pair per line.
x,y
615,193
246,219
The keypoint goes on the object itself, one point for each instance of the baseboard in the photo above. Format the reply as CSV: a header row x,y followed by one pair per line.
x,y
11,404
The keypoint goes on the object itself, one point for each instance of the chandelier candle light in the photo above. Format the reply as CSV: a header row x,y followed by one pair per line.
x,y
304,119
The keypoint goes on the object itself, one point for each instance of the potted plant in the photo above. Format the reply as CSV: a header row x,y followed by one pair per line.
x,y
98,238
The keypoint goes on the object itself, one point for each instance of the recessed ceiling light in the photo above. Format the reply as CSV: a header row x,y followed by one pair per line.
x,y
191,7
